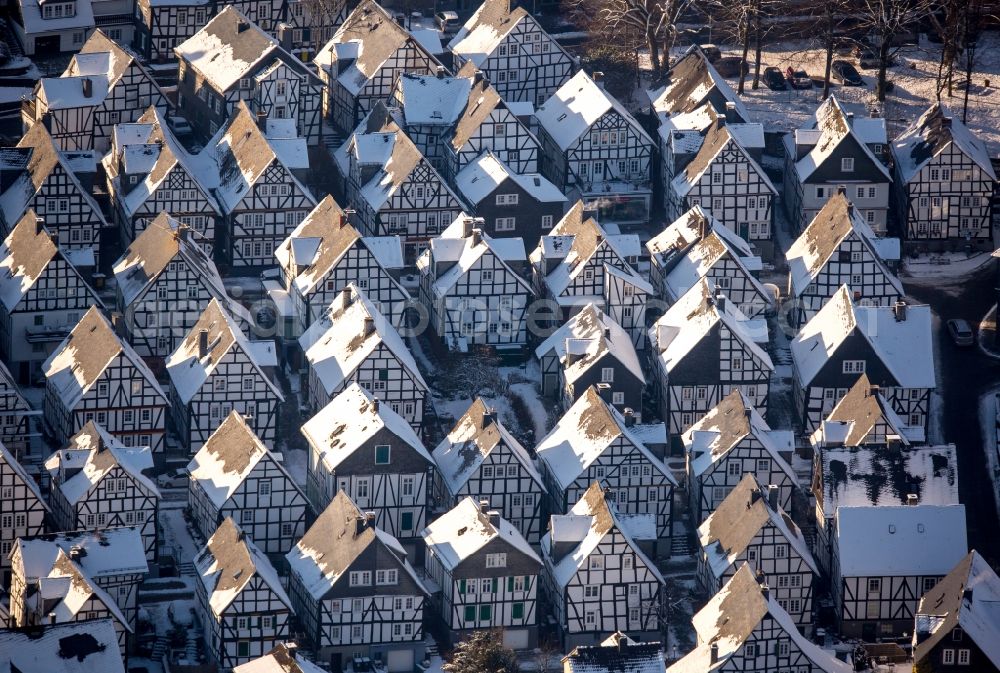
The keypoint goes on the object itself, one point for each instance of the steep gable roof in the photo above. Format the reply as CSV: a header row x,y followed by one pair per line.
x,y
433,100
834,127
227,48
717,137
465,250
616,654
484,175
856,414
486,29
71,647
587,337
932,133
692,83
8,459
464,530
284,658
482,99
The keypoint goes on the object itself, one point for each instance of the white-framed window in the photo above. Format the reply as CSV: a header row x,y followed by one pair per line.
x,y
596,563
948,656
507,199
498,560
607,374
853,367
874,585
387,576
505,223
360,578
963,657
617,398
546,221
847,164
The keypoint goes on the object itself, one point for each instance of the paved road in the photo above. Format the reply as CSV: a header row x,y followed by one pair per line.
x,y
965,375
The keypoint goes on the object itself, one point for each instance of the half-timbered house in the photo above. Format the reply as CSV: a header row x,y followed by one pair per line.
x,y
243,607
394,187
732,440
165,280
509,203
480,459
354,342
838,248
363,59
743,628
885,558
727,181
326,253
836,150
217,370
596,577
487,574
593,442
473,290
42,296
161,25
579,263
103,85
231,59
95,376
149,172
705,348
40,30
591,348
523,62
750,527
615,654
359,445
284,658
96,482
595,150
15,415
696,246
944,182
45,646
235,475
428,106
57,187
956,627
22,509
863,417
893,345
355,592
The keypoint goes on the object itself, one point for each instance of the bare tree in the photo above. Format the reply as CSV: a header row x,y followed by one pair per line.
x,y
321,16
948,21
885,21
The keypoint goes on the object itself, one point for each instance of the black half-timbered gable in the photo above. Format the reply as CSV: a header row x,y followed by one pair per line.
x,y
697,246
355,343
838,248
472,288
232,60
326,253
596,577
235,475
705,348
509,203
96,376
161,25
892,345
22,509
243,607
743,628
955,627
885,558
360,64
523,62
15,415
591,349
750,527
215,371
487,571
732,440
359,445
836,150
944,182
42,296
97,482
355,592
594,149
591,443
617,652
480,459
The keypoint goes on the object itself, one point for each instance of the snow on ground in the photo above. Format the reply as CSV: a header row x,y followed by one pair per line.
x,y
296,461
175,530
931,269
935,416
988,419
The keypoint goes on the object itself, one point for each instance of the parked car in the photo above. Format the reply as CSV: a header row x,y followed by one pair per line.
x,y
867,57
174,479
774,80
846,74
731,66
180,126
960,332
712,52
798,78
447,22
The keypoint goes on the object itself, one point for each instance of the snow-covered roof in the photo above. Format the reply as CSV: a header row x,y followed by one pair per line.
x,y
284,658
93,453
854,417
6,457
486,29
59,93
615,654
592,334
105,553
477,107
227,564
900,540
458,534
31,17
228,48
465,251
719,136
72,647
582,435
468,444
688,229
834,125
430,100
352,418
576,106
351,330
968,598
812,250
692,84
486,173
80,360
227,458
905,347
933,133
189,369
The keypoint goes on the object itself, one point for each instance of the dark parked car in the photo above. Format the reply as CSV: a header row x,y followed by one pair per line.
x,y
846,74
730,66
712,52
961,332
774,80
798,78
867,56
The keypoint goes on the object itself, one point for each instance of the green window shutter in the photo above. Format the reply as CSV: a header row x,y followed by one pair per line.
x,y
485,613
517,612
406,521
510,583
494,585
470,613
461,586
